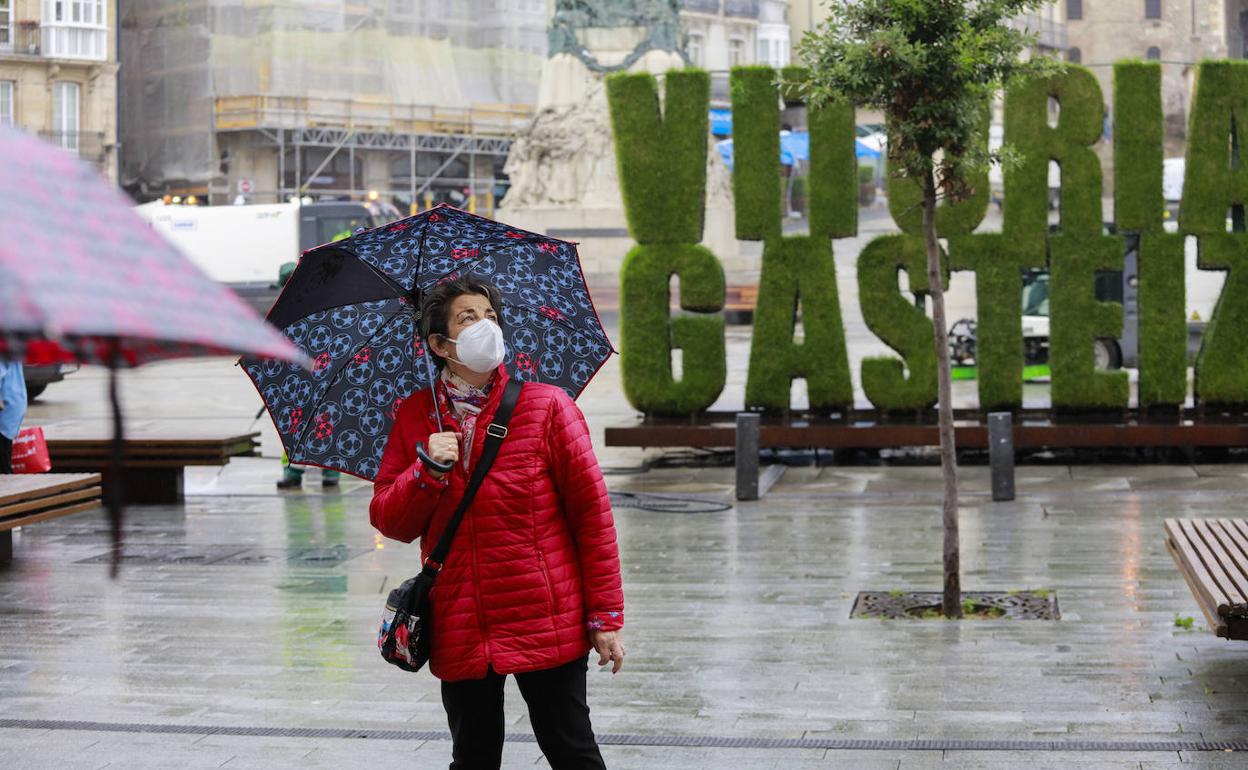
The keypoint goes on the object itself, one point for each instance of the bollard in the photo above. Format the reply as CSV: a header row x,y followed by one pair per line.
x,y
747,456
1001,455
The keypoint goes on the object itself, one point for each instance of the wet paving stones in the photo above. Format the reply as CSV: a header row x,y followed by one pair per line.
x,y
246,608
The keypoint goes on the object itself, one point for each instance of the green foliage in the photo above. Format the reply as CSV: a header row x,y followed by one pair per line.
x,y
1215,177
1221,365
866,174
833,206
648,333
905,196
661,155
929,67
1139,203
1163,328
1078,318
756,153
1027,130
798,273
898,323
998,262
1183,622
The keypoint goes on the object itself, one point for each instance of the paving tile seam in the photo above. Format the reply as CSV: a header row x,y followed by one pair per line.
x,y
626,739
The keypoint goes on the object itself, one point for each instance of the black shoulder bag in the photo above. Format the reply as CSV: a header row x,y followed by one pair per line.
x,y
406,623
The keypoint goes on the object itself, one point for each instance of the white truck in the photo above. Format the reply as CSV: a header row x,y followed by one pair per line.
x,y
245,246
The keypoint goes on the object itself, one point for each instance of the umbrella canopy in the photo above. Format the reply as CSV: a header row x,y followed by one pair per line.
x,y
83,278
353,307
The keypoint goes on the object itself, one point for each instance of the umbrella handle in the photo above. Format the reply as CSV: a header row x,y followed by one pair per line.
x,y
430,462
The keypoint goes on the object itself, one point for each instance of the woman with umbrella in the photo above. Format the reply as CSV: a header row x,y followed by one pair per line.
x,y
532,581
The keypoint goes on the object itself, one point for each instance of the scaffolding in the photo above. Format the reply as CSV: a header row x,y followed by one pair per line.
x,y
429,93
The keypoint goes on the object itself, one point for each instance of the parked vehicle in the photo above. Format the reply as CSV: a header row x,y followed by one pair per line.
x,y
244,247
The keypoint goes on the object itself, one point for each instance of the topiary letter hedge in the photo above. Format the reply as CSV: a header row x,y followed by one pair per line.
x,y
1079,126
662,166
898,323
998,262
1077,318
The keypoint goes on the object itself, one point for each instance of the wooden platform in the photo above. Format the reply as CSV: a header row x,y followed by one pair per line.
x,y
155,458
27,499
867,429
1212,555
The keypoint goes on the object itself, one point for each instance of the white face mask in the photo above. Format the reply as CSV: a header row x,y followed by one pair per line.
x,y
480,346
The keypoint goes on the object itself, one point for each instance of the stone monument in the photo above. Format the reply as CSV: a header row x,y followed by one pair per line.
x,y
562,166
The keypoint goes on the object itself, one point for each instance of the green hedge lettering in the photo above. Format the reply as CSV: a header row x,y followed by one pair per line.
x,y
1214,180
798,273
1163,328
661,155
998,262
898,323
1078,318
648,333
1222,364
1026,205
1139,132
905,200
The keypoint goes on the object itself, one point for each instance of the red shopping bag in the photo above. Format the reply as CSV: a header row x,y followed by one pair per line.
x,y
30,452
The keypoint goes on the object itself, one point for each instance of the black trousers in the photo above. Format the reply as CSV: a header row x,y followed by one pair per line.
x,y
6,455
558,712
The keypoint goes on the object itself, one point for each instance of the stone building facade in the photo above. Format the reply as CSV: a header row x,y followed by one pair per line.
x,y
58,74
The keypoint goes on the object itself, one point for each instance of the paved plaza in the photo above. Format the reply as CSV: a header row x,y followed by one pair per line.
x,y
241,631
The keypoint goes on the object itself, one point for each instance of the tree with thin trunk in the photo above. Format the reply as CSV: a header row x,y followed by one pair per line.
x,y
930,66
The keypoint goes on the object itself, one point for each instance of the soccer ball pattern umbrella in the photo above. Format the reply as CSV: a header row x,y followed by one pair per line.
x,y
353,307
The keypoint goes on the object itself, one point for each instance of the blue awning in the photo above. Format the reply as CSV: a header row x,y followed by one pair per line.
x,y
794,148
721,122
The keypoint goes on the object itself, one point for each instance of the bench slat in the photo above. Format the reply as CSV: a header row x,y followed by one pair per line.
x,y
22,486
9,511
1209,594
50,514
1209,554
1209,532
1237,546
1217,623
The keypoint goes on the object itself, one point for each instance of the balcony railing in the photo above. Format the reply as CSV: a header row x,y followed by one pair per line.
x,y
702,6
64,40
25,39
745,8
89,145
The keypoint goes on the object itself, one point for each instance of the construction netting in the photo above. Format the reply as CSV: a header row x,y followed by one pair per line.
x,y
299,63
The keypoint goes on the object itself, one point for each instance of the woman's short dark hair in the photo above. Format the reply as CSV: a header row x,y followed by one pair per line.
x,y
435,310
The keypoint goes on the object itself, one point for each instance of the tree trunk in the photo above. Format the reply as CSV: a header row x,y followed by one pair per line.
x,y
952,599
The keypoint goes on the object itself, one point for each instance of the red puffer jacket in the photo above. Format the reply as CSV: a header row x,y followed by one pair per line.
x,y
534,564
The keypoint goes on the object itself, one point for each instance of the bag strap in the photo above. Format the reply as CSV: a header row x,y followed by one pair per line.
x,y
495,432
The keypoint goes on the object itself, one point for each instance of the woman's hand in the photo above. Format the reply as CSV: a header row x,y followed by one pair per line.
x,y
443,447
610,648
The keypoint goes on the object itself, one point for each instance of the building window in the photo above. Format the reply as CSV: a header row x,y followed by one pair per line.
x,y
6,103
1074,10
1152,9
1074,55
6,24
75,29
65,101
736,52
696,48
1154,53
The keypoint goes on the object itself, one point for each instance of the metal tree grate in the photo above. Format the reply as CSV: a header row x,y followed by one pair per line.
x,y
912,605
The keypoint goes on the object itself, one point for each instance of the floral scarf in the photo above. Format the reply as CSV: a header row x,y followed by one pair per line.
x,y
466,402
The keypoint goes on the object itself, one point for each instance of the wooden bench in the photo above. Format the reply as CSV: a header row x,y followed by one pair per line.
x,y
739,304
1212,555
155,457
29,498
